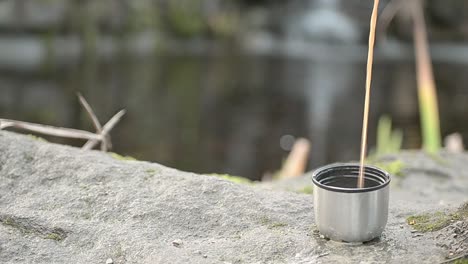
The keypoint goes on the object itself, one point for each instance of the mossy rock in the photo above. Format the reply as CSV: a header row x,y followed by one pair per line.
x,y
84,196
435,221
54,236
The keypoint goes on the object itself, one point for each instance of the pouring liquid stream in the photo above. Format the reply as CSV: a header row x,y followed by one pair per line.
x,y
370,59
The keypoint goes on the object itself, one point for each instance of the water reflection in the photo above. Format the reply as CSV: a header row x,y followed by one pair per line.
x,y
224,113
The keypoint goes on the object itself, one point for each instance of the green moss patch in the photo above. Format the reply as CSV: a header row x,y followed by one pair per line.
x,y
54,236
120,157
393,167
34,137
265,221
277,225
306,189
150,171
149,174
438,220
235,179
27,228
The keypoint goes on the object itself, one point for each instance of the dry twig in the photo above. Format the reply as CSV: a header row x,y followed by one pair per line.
x,y
50,130
106,143
101,135
105,129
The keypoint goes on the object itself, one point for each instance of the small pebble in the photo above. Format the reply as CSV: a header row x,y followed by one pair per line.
x,y
322,236
401,226
205,256
177,243
109,261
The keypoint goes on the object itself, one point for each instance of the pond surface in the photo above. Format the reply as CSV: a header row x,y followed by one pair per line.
x,y
227,113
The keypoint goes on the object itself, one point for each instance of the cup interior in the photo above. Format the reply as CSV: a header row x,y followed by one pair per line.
x,y
344,178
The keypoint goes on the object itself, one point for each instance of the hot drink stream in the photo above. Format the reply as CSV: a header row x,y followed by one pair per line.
x,y
370,59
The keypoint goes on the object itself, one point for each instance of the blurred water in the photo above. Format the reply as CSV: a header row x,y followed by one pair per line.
x,y
226,113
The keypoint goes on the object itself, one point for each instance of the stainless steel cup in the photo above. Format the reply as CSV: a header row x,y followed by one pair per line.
x,y
346,213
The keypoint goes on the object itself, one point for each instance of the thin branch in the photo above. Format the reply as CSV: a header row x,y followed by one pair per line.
x,y
105,129
50,130
106,142
91,113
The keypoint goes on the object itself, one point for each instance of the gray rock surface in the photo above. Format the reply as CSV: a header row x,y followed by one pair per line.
x,y
60,204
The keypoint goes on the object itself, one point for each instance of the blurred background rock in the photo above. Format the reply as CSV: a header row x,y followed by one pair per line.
x,y
214,85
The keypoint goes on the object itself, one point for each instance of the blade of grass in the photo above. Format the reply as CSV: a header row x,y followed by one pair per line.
x,y
397,141
384,129
427,96
389,140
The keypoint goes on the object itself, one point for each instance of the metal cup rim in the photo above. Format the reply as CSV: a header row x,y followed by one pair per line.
x,y
342,166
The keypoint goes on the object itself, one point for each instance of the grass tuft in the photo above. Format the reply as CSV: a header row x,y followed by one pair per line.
x,y
389,141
